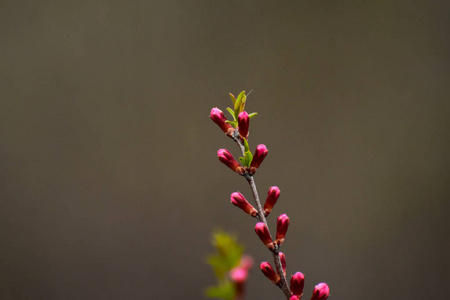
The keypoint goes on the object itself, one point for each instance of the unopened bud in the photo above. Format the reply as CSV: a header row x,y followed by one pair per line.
x,y
239,274
219,118
268,271
282,227
243,124
294,297
263,232
258,157
283,262
228,159
321,292
297,284
239,200
272,197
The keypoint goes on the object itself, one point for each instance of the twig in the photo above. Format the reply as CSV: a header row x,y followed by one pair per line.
x,y
261,218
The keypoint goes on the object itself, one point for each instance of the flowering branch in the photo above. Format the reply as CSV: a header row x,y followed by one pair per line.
x,y
261,217
248,164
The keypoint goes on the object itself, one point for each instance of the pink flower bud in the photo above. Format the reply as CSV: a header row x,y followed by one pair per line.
x,y
258,157
268,271
219,118
297,284
272,197
228,159
321,292
294,297
239,274
263,232
282,227
283,262
243,124
239,200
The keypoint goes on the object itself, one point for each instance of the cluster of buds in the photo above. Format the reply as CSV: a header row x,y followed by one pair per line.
x,y
269,272
297,283
238,130
264,235
257,158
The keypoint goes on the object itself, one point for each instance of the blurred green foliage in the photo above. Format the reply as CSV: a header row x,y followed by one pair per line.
x,y
228,256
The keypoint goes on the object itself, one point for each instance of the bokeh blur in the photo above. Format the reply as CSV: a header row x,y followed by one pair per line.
x,y
110,186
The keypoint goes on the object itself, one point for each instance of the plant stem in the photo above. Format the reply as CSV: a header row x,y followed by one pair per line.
x,y
276,257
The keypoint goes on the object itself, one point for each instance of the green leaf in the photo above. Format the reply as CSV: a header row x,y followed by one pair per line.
x,y
239,99
247,148
223,291
252,115
233,99
238,104
244,99
219,265
214,292
248,158
232,123
229,253
231,113
242,160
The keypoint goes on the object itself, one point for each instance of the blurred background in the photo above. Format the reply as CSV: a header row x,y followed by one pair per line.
x,y
110,186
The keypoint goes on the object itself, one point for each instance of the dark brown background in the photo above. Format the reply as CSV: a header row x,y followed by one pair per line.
x,y
110,186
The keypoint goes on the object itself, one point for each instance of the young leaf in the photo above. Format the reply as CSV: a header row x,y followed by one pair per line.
x,y
242,160
238,103
233,99
232,123
252,115
219,264
239,98
223,291
231,113
248,158
247,148
244,99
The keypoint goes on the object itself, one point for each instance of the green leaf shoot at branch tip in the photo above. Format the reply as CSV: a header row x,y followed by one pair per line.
x,y
242,160
237,104
240,103
244,99
233,99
